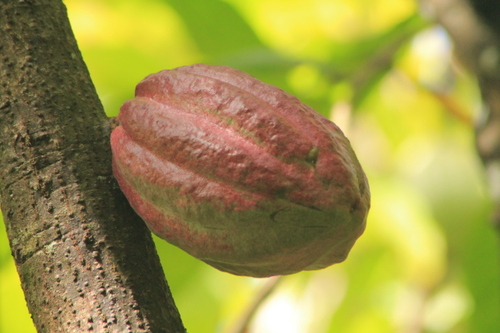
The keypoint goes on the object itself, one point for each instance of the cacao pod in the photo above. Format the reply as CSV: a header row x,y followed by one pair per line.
x,y
239,173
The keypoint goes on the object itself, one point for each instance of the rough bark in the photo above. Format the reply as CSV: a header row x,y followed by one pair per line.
x,y
86,261
476,39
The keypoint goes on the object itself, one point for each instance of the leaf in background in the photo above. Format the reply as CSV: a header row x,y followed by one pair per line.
x,y
366,61
216,27
225,38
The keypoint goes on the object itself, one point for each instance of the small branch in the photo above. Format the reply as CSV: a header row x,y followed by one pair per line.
x,y
246,318
453,108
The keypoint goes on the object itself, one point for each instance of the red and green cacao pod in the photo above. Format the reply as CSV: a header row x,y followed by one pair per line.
x,y
239,173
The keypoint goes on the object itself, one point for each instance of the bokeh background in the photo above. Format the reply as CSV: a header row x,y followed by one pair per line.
x,y
386,74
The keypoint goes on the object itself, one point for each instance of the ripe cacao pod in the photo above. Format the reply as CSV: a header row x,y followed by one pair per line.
x,y
239,173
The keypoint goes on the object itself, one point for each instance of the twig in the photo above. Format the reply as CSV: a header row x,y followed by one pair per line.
x,y
241,325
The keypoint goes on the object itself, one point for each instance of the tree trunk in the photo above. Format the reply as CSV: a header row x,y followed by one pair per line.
x,y
86,260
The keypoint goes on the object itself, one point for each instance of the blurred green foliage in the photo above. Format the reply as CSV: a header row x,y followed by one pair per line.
x,y
428,261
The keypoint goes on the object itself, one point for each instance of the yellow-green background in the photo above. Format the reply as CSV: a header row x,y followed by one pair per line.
x,y
428,261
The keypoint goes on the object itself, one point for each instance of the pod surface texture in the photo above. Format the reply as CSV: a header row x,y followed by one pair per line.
x,y
238,173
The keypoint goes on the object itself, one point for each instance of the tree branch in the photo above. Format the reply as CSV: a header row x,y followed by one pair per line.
x,y
85,259
477,45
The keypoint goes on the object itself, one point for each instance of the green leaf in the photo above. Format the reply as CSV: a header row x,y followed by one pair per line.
x,y
217,28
